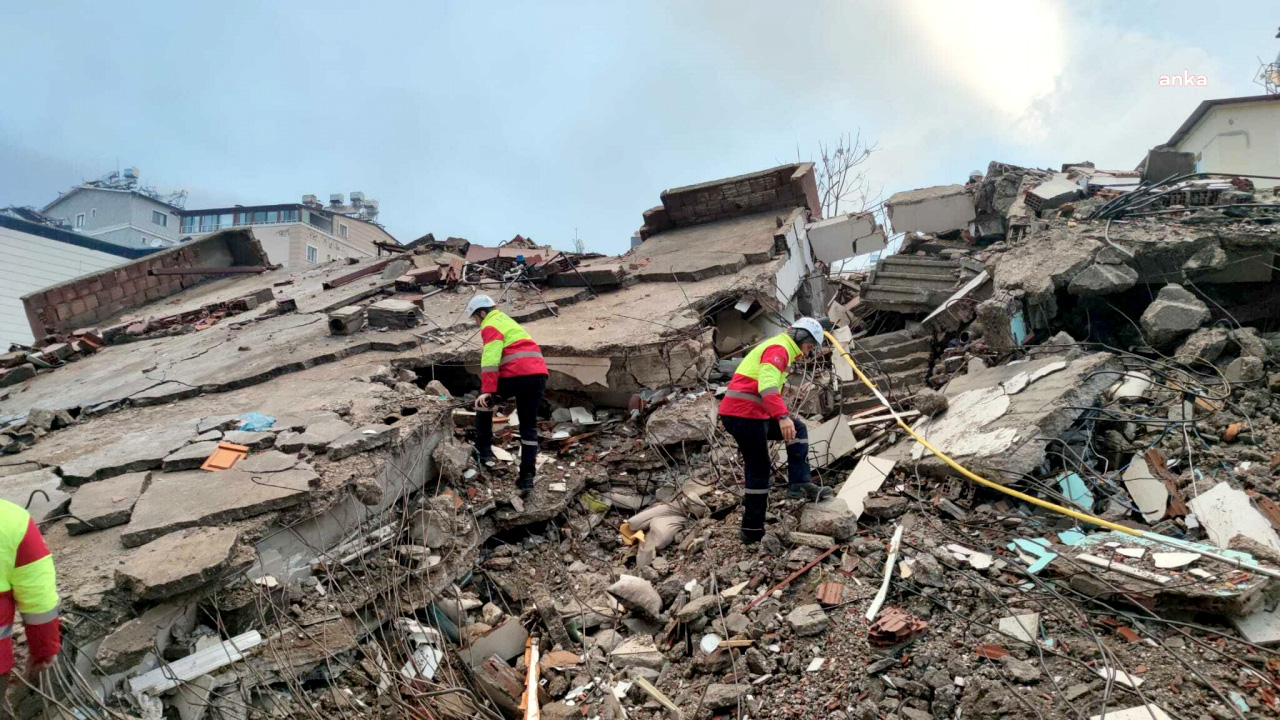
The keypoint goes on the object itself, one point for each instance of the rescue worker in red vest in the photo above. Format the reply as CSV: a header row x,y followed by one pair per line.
x,y
27,585
511,365
754,413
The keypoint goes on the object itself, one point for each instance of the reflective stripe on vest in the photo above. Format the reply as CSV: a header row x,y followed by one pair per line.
x,y
744,396
517,356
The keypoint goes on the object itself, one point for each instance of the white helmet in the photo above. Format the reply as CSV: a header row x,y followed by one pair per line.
x,y
811,326
479,302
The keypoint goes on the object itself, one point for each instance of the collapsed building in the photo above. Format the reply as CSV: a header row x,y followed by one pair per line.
x,y
259,495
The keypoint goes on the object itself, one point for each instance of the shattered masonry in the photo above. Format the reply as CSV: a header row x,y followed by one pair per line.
x,y
257,484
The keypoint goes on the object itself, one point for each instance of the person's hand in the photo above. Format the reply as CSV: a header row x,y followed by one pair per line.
x,y
35,667
482,402
788,427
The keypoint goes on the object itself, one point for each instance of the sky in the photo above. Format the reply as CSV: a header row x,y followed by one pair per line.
x,y
550,120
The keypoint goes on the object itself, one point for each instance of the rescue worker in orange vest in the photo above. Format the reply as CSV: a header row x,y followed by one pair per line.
x,y
511,364
27,585
754,413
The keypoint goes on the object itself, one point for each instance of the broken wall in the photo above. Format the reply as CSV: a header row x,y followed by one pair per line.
x,y
780,188
93,298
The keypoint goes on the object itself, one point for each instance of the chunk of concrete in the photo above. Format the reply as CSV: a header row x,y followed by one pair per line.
x,y
1175,313
1244,370
1205,344
191,698
188,499
1022,627
685,420
189,457
938,209
929,402
1207,259
176,563
637,651
808,620
49,419
1250,343
722,695
1099,279
506,641
217,422
269,461
317,436
362,440
885,507
153,630
107,503
1226,512
50,502
821,542
829,517
696,608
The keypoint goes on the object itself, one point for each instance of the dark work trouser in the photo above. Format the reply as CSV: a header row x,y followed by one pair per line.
x,y
753,438
527,390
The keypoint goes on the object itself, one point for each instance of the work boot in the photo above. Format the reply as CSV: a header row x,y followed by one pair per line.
x,y
484,460
750,537
524,486
808,491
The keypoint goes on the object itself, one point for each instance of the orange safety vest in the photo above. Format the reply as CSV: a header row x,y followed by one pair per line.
x,y
755,391
509,351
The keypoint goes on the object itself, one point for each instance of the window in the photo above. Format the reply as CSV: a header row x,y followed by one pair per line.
x,y
259,216
188,223
80,220
93,212
312,254
159,218
342,229
289,215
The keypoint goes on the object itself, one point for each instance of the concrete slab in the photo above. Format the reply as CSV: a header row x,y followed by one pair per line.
x,y
187,499
106,503
300,421
700,252
139,450
1226,512
189,457
836,238
251,440
932,210
1000,435
867,477
176,563
49,502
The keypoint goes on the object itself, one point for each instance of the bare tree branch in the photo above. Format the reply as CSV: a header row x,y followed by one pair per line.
x,y
843,182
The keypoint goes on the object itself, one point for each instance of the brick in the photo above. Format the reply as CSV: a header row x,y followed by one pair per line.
x,y
77,306
90,302
104,297
95,285
115,293
128,287
152,294
109,281
54,295
63,310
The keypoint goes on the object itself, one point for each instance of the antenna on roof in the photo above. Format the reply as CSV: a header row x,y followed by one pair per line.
x,y
1269,74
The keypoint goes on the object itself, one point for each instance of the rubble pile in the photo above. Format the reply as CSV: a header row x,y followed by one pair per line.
x,y
280,515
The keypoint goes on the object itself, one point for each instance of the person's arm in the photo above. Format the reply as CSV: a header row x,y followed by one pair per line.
x,y
490,359
773,369
35,589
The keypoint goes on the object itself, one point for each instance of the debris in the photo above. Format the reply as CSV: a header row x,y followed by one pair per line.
x,y
1225,513
828,517
830,593
719,695
895,626
255,422
1174,313
867,477
807,567
821,542
200,663
1141,712
816,664
1023,627
1124,569
808,620
1119,676
662,700
890,561
176,563
1174,560
1148,493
